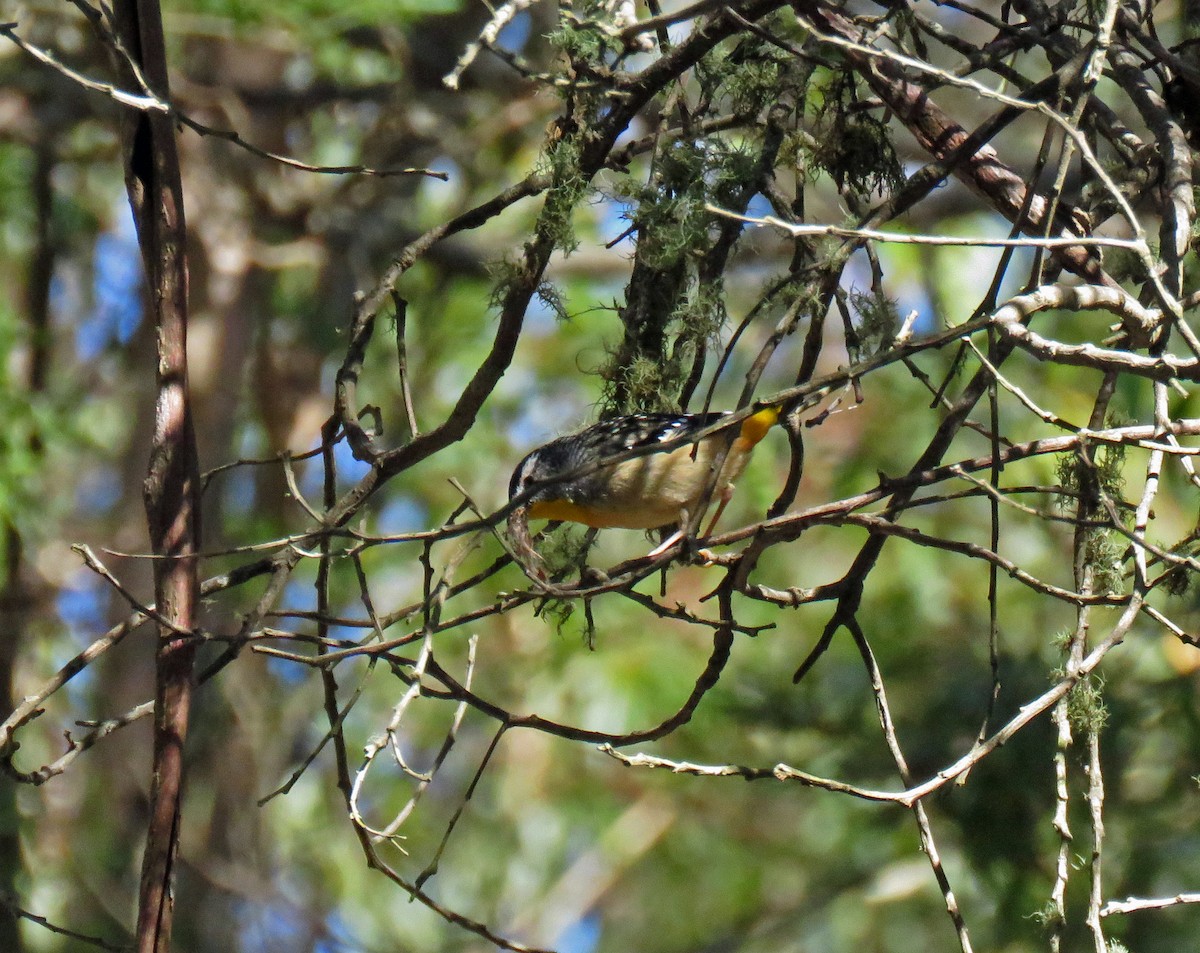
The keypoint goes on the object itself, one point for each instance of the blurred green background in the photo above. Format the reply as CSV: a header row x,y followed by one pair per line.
x,y
559,844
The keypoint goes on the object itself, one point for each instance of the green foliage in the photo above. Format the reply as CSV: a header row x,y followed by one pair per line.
x,y
753,75
668,212
853,145
749,77
37,428
341,43
1104,551
1125,265
733,170
700,319
503,274
565,550
1049,917
1178,579
858,153
878,322
16,167
1086,710
1100,472
651,385
580,40
279,257
1102,468
311,19
754,83
568,187
674,229
558,612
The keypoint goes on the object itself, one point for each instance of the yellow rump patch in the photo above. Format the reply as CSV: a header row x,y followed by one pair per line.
x,y
755,427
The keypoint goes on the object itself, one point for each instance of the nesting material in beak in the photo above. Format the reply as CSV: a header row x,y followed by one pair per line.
x,y
518,534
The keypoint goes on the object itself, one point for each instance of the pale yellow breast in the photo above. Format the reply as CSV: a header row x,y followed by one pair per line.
x,y
654,490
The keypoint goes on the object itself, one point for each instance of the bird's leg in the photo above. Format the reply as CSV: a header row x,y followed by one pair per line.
x,y
723,499
706,556
666,543
726,496
680,533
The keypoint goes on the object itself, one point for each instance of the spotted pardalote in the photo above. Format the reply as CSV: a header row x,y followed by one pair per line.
x,y
569,478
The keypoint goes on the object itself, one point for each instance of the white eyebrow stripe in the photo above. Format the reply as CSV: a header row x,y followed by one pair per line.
x,y
527,470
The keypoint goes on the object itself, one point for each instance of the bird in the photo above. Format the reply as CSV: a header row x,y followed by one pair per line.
x,y
568,479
